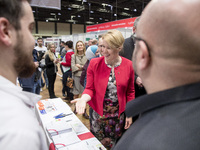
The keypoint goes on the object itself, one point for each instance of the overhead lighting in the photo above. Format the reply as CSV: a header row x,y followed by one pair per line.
x,y
33,11
91,11
89,22
115,14
100,19
69,8
102,10
72,17
134,10
59,14
126,8
91,18
125,14
53,14
71,21
47,20
75,6
79,16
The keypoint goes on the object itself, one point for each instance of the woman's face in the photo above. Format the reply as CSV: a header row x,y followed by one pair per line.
x,y
109,53
52,48
80,46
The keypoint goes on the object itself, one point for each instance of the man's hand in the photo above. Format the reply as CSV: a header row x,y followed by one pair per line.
x,y
128,122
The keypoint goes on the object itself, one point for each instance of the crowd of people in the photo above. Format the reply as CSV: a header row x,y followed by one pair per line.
x,y
142,91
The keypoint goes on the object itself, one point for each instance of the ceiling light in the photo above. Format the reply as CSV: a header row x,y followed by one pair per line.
x,y
91,18
135,10
59,14
126,8
89,22
100,18
69,8
75,6
115,14
52,14
125,14
102,10
47,20
79,16
91,11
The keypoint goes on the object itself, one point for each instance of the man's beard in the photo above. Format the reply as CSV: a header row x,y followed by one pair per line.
x,y
23,64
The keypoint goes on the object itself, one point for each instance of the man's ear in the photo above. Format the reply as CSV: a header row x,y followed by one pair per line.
x,y
5,31
144,59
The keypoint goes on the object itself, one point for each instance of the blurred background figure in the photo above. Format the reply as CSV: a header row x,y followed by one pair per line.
x,y
51,68
66,65
78,61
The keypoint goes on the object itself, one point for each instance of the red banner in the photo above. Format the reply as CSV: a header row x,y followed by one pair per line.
x,y
112,25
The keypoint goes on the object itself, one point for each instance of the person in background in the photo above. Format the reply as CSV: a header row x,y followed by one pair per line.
x,y
51,68
127,52
19,127
94,42
89,43
168,63
110,85
100,45
66,65
92,52
62,47
77,63
41,51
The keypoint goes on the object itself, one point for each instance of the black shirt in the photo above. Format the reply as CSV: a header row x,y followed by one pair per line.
x,y
169,120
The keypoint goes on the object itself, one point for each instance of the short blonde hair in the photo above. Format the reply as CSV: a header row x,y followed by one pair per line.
x,y
114,38
76,50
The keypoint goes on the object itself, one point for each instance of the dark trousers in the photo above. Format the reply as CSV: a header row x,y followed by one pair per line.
x,y
51,79
66,88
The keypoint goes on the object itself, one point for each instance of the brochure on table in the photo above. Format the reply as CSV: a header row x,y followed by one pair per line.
x,y
63,128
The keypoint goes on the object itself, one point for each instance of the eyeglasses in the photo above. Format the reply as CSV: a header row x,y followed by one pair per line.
x,y
134,37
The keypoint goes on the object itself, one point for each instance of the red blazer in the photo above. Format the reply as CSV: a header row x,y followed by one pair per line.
x,y
97,79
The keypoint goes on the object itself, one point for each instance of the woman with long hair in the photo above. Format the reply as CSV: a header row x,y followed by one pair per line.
x,y
51,68
78,61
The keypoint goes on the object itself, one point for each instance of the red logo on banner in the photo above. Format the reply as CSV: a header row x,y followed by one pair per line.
x,y
112,25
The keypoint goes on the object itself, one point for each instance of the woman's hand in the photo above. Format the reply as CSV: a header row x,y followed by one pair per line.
x,y
128,122
80,105
79,66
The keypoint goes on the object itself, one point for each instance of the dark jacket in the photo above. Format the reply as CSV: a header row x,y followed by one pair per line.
x,y
169,120
50,66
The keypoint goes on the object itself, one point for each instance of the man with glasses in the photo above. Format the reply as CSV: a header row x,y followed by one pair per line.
x,y
167,58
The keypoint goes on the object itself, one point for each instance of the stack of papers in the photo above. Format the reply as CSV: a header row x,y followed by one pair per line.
x,y
65,139
58,127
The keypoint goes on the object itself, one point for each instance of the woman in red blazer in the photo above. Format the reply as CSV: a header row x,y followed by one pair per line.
x,y
110,85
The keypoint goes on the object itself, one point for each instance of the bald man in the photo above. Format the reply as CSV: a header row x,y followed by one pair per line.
x,y
167,58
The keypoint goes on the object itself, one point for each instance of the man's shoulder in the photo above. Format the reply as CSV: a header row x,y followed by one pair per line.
x,y
43,48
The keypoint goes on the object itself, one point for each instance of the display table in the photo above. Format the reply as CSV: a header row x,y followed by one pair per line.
x,y
62,127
